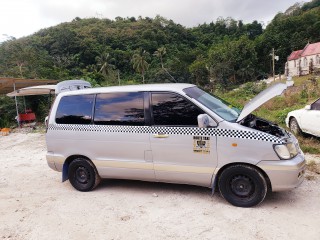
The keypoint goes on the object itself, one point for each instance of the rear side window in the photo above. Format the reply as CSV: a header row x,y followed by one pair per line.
x,y
75,109
119,109
172,109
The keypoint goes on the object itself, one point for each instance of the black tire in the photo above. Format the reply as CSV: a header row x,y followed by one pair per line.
x,y
242,185
294,126
83,175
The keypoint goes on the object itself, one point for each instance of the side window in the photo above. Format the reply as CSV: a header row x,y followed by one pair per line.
x,y
76,109
316,105
119,109
173,110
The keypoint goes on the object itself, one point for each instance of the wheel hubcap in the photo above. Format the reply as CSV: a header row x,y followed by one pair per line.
x,y
82,175
242,186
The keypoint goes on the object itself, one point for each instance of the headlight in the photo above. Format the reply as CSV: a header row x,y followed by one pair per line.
x,y
286,151
293,149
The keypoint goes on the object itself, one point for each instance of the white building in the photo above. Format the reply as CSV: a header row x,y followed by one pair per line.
x,y
305,61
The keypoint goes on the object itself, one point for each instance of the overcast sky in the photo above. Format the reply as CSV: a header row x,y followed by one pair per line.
x,y
24,17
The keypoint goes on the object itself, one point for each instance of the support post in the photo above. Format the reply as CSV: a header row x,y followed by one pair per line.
x,y
49,102
24,104
15,99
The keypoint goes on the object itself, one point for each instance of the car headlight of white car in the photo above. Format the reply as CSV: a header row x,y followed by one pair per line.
x,y
286,151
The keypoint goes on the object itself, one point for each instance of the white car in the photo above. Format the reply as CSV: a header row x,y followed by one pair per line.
x,y
306,120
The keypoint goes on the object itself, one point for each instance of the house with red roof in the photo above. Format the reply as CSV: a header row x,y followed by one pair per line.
x,y
305,61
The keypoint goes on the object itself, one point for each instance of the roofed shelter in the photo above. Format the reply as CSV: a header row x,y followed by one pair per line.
x,y
36,90
8,85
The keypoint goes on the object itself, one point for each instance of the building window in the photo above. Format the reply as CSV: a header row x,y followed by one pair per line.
x,y
294,62
305,62
317,59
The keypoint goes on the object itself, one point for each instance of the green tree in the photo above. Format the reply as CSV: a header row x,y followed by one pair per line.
x,y
233,61
160,53
199,71
103,62
139,61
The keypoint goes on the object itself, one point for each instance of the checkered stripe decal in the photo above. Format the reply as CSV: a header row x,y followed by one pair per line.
x,y
168,130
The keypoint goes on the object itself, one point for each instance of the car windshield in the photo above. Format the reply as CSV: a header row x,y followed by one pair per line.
x,y
215,104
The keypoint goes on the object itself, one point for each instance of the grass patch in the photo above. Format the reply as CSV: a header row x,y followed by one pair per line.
x,y
309,144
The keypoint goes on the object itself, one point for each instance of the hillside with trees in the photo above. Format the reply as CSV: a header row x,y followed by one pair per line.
x,y
217,56
227,52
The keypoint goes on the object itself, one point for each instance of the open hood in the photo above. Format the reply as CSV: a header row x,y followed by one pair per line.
x,y
261,98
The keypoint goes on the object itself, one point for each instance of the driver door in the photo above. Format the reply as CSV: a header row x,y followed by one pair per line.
x,y
180,153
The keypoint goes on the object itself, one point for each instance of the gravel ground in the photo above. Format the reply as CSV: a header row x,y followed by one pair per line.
x,y
34,204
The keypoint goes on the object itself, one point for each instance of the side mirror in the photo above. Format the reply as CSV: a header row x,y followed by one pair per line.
x,y
205,121
308,107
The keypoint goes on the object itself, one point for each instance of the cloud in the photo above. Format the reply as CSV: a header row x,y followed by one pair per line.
x,y
19,18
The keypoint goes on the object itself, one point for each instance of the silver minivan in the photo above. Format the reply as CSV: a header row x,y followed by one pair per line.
x,y
174,133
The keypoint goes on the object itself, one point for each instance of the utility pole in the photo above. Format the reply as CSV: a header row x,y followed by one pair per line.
x,y
274,77
274,57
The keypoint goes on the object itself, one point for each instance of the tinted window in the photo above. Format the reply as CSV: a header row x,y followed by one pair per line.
x,y
75,109
316,105
215,104
119,109
172,109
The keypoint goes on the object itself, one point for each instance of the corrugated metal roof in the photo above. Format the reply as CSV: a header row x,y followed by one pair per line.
x,y
311,49
35,90
295,55
7,84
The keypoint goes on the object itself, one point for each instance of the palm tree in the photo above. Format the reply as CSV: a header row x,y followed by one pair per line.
x,y
103,62
139,62
160,53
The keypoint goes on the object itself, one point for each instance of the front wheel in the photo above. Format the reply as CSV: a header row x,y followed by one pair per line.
x,y
242,185
294,126
82,175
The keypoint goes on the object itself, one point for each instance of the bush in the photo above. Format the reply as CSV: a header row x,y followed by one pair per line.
x,y
7,111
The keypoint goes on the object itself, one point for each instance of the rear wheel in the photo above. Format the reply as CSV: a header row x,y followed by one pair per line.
x,y
242,185
83,175
294,126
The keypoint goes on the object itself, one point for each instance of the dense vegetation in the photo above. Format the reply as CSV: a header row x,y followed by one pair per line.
x,y
217,56
159,50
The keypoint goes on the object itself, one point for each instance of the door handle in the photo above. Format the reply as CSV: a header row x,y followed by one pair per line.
x,y
160,135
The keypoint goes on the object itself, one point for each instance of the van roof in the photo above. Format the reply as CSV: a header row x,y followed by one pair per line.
x,y
176,87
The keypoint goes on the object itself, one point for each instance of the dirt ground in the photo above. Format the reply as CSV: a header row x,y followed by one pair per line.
x,y
34,204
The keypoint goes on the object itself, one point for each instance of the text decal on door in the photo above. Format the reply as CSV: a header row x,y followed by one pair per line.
x,y
201,144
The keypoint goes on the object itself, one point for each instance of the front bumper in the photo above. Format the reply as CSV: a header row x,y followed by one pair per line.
x,y
285,174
